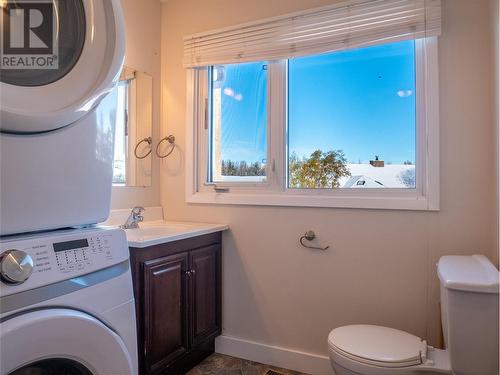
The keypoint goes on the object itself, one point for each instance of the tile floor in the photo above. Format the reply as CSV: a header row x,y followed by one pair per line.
x,y
218,364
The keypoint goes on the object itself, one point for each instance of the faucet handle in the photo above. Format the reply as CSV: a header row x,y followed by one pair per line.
x,y
138,210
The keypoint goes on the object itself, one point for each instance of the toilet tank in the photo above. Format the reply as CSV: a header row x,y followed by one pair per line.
x,y
469,313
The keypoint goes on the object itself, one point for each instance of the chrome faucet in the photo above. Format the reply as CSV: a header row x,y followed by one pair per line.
x,y
134,218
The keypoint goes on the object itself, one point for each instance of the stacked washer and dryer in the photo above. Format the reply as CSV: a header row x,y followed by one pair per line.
x,y
66,297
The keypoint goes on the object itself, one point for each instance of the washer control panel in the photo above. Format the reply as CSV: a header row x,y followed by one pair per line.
x,y
60,257
79,254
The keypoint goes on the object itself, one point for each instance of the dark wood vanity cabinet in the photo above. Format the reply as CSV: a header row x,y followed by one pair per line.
x,y
177,287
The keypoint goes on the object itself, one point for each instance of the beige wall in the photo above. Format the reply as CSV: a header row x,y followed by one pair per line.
x,y
495,15
381,265
142,22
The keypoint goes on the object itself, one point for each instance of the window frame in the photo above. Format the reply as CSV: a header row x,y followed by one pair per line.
x,y
274,191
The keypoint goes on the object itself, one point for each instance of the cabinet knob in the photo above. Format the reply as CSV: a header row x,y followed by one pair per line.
x,y
193,271
188,273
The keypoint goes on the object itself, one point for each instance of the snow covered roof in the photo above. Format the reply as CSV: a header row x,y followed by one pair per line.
x,y
362,176
367,176
362,182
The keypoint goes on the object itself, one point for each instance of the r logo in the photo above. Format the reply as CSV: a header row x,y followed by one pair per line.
x,y
28,28
29,37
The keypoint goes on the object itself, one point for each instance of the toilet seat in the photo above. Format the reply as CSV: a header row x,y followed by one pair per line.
x,y
378,346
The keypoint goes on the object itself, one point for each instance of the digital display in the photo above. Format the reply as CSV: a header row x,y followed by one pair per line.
x,y
70,245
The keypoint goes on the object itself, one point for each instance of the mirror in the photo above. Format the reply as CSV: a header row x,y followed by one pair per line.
x,y
133,134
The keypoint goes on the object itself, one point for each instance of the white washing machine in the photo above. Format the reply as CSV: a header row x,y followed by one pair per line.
x,y
57,120
66,304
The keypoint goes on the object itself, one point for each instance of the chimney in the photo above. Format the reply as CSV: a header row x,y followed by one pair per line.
x,y
377,163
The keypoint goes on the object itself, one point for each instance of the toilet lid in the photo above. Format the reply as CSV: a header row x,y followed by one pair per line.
x,y
380,346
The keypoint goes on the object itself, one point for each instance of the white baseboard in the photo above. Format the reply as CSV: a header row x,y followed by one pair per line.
x,y
273,355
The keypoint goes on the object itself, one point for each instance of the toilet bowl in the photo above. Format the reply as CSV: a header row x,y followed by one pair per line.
x,y
375,350
469,314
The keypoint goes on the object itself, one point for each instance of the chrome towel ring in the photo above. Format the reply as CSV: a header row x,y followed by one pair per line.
x,y
171,140
148,140
310,235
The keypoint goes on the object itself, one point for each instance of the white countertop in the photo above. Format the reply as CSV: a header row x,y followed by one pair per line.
x,y
157,232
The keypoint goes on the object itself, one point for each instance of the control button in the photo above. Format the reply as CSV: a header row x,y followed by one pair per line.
x,y
16,266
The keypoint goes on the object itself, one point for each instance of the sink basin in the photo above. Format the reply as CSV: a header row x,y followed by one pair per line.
x,y
154,233
147,231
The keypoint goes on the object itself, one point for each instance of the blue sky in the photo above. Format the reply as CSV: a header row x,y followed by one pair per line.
x,y
359,101
244,112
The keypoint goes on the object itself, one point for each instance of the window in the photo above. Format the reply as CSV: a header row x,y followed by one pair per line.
x,y
355,125
238,123
352,116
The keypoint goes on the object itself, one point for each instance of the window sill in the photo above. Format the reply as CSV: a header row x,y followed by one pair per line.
x,y
409,202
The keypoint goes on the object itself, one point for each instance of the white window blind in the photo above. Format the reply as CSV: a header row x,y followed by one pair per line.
x,y
344,25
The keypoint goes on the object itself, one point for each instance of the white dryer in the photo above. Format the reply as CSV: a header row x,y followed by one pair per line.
x,y
57,121
66,304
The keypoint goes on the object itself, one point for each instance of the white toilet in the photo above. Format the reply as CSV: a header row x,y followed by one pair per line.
x,y
469,313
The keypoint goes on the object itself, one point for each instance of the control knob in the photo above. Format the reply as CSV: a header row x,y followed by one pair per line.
x,y
15,266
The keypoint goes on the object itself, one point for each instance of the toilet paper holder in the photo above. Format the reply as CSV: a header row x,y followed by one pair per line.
x,y
309,236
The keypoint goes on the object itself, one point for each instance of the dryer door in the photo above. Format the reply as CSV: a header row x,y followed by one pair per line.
x,y
61,341
59,59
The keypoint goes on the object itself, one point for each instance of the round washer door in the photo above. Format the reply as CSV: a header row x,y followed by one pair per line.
x,y
66,60
61,340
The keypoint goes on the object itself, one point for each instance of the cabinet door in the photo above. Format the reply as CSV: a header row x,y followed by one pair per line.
x,y
165,311
205,293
